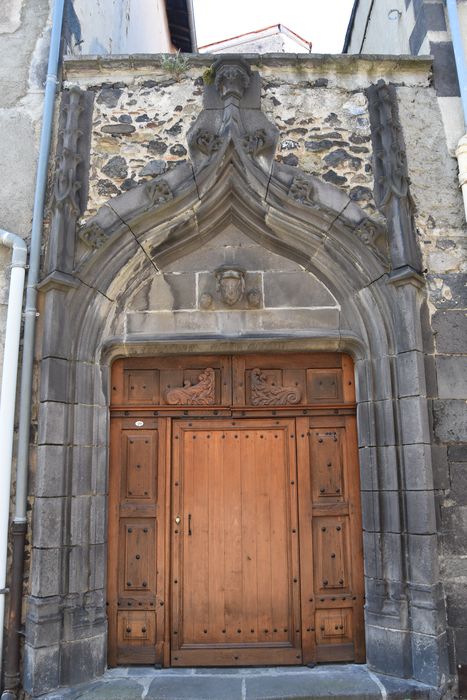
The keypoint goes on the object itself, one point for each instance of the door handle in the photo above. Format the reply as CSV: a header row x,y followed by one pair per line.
x,y
189,524
177,520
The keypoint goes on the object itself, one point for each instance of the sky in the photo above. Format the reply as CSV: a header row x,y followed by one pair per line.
x,y
323,22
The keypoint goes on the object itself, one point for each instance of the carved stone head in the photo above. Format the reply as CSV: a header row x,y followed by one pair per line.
x,y
232,79
231,284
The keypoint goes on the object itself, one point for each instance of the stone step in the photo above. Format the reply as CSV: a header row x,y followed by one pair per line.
x,y
325,682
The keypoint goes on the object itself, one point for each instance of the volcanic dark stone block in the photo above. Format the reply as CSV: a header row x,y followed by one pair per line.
x,y
388,651
47,518
45,565
178,150
423,567
52,423
410,372
80,520
82,660
456,283
418,467
290,159
41,669
450,328
295,289
452,376
208,688
176,129
50,470
454,529
322,145
54,380
157,146
414,420
106,188
340,156
450,420
334,178
334,684
116,167
457,453
430,661
118,129
154,167
420,512
109,97
361,194
121,689
439,455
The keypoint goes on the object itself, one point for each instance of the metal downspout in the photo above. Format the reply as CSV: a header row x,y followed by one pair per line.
x,y
19,522
191,22
458,46
8,397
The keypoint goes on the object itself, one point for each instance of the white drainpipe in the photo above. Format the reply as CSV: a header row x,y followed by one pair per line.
x,y
458,46
8,397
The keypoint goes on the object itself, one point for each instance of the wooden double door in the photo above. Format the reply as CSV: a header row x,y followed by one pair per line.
x,y
234,517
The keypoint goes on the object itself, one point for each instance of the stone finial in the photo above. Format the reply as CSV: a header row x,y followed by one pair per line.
x,y
232,78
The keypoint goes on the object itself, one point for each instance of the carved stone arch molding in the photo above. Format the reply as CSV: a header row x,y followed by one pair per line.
x,y
233,187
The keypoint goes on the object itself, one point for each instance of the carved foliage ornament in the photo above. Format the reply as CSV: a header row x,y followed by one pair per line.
x,y
159,192
93,236
206,141
266,392
301,190
256,142
201,394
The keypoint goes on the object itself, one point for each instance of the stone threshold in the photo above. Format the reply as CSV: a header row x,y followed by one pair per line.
x,y
324,682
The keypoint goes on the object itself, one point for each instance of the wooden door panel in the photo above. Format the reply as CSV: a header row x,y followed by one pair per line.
x,y
332,550
139,465
136,541
236,559
292,380
330,539
155,381
327,464
138,555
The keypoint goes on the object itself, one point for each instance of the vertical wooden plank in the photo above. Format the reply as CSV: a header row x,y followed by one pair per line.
x,y
238,380
113,536
356,539
348,379
307,592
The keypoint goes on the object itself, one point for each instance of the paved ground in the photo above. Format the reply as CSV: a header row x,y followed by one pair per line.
x,y
325,682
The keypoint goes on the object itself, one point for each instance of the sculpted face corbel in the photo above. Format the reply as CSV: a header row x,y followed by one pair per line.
x,y
231,284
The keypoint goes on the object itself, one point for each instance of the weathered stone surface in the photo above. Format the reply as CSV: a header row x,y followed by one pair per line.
x,y
154,167
118,129
450,420
450,329
116,167
452,376
109,97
